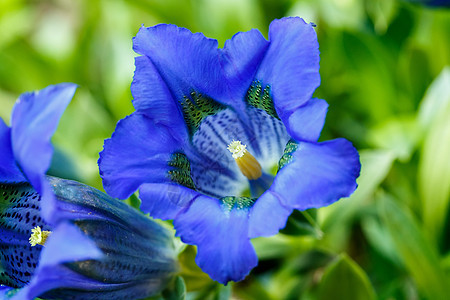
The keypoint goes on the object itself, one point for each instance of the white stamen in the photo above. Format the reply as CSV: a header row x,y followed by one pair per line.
x,y
237,149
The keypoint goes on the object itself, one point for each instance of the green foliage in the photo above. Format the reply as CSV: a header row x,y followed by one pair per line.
x,y
344,279
434,164
176,290
417,253
384,72
303,223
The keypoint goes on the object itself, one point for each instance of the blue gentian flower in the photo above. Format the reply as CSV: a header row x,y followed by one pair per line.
x,y
224,141
432,3
61,239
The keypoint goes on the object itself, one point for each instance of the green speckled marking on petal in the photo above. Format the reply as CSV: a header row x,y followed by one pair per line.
x,y
181,172
196,107
286,158
231,202
261,98
9,294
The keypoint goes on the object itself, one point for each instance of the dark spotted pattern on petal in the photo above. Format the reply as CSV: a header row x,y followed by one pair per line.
x,y
135,248
269,137
19,213
130,256
216,173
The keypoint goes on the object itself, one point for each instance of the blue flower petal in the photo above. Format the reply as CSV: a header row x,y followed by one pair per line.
x,y
306,122
221,235
241,57
34,119
59,277
288,64
137,152
165,200
142,152
48,206
268,215
318,175
176,62
7,292
9,171
65,244
291,64
3,291
152,96
269,137
141,250
77,201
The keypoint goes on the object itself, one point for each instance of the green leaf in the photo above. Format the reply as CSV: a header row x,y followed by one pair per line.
x,y
445,262
303,223
381,12
223,292
13,15
310,261
434,165
134,201
370,63
194,277
341,16
281,245
398,134
338,217
379,238
176,291
417,253
436,98
252,289
375,165
344,279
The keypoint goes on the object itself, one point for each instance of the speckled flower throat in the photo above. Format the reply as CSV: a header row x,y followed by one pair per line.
x,y
232,158
19,214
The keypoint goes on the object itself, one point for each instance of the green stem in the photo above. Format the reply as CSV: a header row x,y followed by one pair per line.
x,y
319,232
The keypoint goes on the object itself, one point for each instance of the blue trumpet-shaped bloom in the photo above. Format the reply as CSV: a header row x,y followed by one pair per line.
x,y
194,102
98,248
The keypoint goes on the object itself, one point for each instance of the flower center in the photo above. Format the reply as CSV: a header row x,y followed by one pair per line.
x,y
246,162
38,237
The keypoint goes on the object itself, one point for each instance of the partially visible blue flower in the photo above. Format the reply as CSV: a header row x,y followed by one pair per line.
x,y
195,102
26,151
435,3
97,248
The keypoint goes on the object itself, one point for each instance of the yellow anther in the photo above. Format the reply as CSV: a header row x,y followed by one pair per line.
x,y
38,237
246,162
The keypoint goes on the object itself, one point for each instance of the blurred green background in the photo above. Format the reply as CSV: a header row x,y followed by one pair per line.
x,y
384,74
